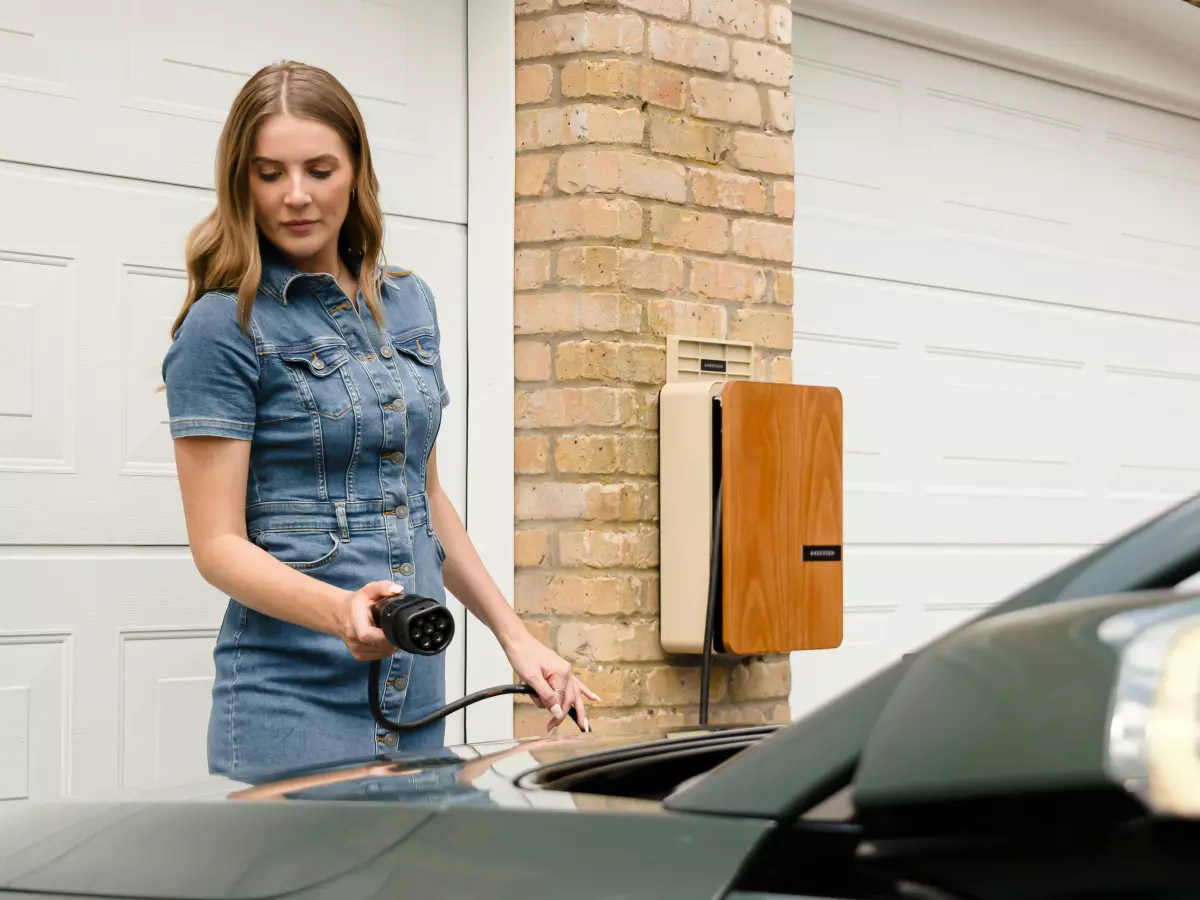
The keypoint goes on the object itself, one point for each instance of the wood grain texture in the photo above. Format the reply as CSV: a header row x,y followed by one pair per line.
x,y
782,490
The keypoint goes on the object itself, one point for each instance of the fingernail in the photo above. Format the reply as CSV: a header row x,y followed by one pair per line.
x,y
397,589
557,711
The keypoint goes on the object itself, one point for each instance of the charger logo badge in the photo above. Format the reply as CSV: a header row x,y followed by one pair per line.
x,y
822,554
712,365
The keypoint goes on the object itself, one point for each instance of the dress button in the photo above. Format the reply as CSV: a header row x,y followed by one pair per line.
x,y
390,739
398,405
400,682
402,511
385,351
397,458
406,569
318,365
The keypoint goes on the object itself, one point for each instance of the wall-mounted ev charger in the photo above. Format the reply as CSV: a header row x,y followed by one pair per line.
x,y
750,509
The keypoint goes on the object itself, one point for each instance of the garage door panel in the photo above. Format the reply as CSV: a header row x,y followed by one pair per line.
x,y
120,663
33,720
36,401
143,87
964,176
165,694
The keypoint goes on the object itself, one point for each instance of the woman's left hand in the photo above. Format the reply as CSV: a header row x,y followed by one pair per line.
x,y
558,690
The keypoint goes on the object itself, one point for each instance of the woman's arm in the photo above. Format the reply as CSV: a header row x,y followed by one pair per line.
x,y
468,580
212,480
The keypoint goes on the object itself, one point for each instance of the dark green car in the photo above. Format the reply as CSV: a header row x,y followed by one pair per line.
x,y
1047,749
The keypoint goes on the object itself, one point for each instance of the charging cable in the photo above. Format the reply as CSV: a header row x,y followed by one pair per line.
x,y
423,627
714,592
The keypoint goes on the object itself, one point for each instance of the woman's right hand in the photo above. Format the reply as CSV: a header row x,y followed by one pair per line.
x,y
362,638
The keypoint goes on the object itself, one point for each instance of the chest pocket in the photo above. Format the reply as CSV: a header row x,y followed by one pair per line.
x,y
322,379
421,348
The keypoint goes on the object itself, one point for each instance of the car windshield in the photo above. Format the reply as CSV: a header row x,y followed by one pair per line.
x,y
817,754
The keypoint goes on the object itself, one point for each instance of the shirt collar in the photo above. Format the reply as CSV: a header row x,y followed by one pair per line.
x,y
278,274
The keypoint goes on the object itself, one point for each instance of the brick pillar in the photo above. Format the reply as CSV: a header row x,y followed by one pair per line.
x,y
654,197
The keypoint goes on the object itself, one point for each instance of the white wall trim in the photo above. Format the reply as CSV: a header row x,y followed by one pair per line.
x,y
976,47
491,189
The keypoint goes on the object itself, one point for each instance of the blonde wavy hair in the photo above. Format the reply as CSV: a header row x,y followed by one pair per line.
x,y
223,249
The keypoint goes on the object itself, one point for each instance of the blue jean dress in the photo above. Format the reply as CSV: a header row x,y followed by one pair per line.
x,y
341,416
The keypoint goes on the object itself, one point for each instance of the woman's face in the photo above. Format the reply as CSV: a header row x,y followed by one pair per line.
x,y
300,180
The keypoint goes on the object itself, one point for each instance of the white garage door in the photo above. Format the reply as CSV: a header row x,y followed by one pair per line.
x,y
109,114
1002,274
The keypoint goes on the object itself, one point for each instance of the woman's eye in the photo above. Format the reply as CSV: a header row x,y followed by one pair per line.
x,y
268,176
321,173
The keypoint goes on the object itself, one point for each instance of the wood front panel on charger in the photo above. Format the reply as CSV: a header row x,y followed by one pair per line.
x,y
781,517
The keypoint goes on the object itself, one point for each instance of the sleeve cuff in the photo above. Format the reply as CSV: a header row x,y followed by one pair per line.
x,y
204,427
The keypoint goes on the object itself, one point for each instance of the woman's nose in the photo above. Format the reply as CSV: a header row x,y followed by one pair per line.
x,y
297,195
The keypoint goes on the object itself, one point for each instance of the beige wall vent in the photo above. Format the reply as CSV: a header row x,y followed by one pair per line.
x,y
706,360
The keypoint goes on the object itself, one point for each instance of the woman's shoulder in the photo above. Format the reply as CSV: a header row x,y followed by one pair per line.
x,y
411,293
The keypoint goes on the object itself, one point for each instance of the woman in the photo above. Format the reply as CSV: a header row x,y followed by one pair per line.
x,y
305,392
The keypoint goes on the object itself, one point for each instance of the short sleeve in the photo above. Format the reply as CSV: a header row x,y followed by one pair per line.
x,y
211,373
437,335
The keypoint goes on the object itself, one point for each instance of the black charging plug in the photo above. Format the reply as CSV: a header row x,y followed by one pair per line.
x,y
415,624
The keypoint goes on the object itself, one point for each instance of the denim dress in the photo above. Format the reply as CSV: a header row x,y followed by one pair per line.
x,y
341,417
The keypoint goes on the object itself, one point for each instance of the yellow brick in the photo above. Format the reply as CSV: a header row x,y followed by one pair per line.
x,y
785,286
679,686
645,270
622,171
777,369
547,501
532,454
606,454
526,7
559,407
722,280
550,313
727,101
763,240
690,230
533,175
662,87
668,9
530,547
638,722
582,123
762,153
608,361
762,63
588,266
783,199
758,680
543,593
531,269
782,106
749,716
534,83
772,330
579,33
728,190
675,136
578,217
689,47
741,17
622,502
530,722
779,24
616,686
601,78
532,361
682,317
604,642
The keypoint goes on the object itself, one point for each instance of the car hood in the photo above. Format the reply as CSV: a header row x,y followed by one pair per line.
x,y
471,821
512,772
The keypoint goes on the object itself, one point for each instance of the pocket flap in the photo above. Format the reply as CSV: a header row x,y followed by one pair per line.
x,y
321,361
420,346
